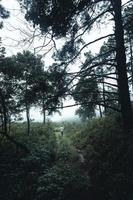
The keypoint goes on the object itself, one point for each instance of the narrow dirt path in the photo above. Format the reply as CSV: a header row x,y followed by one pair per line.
x,y
68,141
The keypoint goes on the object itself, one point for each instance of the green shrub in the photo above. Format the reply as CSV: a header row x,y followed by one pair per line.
x,y
19,174
62,182
36,128
53,171
109,162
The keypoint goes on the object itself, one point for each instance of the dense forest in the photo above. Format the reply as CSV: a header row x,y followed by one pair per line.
x,y
87,159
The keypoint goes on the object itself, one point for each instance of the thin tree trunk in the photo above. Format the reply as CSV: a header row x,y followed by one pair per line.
x,y
5,121
104,99
100,111
27,110
44,117
131,54
44,112
28,118
124,96
4,112
2,122
9,124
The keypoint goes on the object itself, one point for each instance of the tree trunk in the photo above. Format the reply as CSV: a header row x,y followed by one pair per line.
x,y
44,112
5,119
4,112
28,118
131,61
104,98
44,117
124,96
9,124
2,122
100,111
27,109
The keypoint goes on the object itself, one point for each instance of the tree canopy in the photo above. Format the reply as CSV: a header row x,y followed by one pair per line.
x,y
93,158
67,18
3,14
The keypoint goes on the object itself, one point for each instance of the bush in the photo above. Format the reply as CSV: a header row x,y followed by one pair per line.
x,y
62,182
19,174
53,171
109,162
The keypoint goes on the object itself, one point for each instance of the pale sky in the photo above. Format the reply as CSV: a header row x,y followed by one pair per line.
x,y
16,29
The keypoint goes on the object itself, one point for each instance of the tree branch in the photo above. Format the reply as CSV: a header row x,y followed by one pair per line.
x,y
85,103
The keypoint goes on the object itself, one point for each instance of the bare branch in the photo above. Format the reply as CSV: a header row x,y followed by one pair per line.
x,y
86,45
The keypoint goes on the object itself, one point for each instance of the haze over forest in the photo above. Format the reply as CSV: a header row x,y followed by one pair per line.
x,y
61,56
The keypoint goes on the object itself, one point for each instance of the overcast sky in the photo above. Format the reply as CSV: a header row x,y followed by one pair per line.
x,y
16,29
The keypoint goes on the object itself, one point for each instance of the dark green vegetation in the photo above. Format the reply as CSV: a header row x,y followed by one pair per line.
x,y
50,170
26,83
92,159
53,168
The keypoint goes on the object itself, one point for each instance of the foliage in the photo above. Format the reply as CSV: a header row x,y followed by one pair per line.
x,y
8,103
30,67
71,128
3,14
60,19
86,92
65,180
19,171
49,171
25,83
128,19
108,157
53,169
62,182
53,16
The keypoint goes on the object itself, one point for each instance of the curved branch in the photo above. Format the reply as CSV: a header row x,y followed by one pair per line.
x,y
89,43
